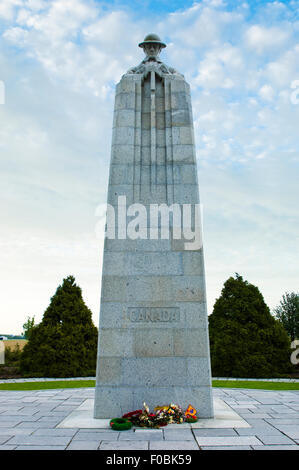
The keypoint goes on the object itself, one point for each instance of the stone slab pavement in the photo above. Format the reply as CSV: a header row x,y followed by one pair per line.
x,y
29,420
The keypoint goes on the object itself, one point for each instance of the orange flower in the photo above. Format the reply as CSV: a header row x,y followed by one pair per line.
x,y
190,411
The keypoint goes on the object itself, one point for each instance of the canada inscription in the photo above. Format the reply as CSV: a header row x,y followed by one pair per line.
x,y
154,314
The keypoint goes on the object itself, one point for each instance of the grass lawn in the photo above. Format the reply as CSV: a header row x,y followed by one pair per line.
x,y
256,384
48,385
91,383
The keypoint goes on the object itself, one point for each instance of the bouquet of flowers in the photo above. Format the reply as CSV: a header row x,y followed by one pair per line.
x,y
133,416
170,414
190,415
163,415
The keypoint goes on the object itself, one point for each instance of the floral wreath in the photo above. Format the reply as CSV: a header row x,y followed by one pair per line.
x,y
120,424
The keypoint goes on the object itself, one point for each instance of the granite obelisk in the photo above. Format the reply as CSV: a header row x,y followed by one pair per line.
x,y
153,330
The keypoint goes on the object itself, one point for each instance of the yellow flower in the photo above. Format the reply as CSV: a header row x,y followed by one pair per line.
x,y
146,407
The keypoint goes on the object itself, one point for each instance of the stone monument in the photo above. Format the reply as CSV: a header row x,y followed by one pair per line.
x,y
153,330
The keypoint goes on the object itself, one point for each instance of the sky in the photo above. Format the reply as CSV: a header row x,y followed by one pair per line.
x,y
59,63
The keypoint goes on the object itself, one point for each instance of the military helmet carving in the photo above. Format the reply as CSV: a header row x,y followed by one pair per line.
x,y
152,39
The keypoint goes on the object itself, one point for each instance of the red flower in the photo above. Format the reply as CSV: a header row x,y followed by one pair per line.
x,y
132,413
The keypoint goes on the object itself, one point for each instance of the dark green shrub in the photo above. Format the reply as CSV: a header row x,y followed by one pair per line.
x,y
287,312
64,344
245,339
12,356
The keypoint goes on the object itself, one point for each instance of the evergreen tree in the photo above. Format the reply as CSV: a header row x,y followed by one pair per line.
x,y
287,313
245,339
64,344
27,327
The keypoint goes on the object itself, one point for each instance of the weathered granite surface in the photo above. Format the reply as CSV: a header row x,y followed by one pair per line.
x,y
153,332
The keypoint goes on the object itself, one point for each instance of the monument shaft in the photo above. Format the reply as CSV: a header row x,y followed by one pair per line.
x,y
153,332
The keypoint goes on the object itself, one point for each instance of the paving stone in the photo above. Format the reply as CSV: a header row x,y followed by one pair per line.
x,y
254,415
36,425
29,399
216,432
65,408
256,422
9,410
74,402
7,447
266,408
124,445
226,448
141,436
173,445
93,436
55,432
269,401
22,412
98,430
243,409
27,418
246,402
227,441
16,431
51,419
84,445
40,440
178,435
283,409
253,431
275,440
4,438
286,447
275,421
40,447
290,430
9,423
283,415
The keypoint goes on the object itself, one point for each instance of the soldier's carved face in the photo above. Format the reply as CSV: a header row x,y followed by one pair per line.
x,y
152,50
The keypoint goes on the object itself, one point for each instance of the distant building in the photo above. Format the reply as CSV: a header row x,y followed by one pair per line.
x,y
3,338
12,344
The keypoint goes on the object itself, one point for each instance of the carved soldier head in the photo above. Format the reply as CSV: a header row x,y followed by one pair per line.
x,y
152,46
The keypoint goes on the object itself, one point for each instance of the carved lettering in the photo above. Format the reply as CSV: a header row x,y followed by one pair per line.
x,y
154,314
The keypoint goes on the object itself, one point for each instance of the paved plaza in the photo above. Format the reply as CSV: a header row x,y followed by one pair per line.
x,y
29,420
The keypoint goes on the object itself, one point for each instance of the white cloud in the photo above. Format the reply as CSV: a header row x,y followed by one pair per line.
x,y
261,38
220,67
75,42
7,8
266,92
282,71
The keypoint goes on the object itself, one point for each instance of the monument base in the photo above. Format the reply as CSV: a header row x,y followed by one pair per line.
x,y
224,417
116,401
